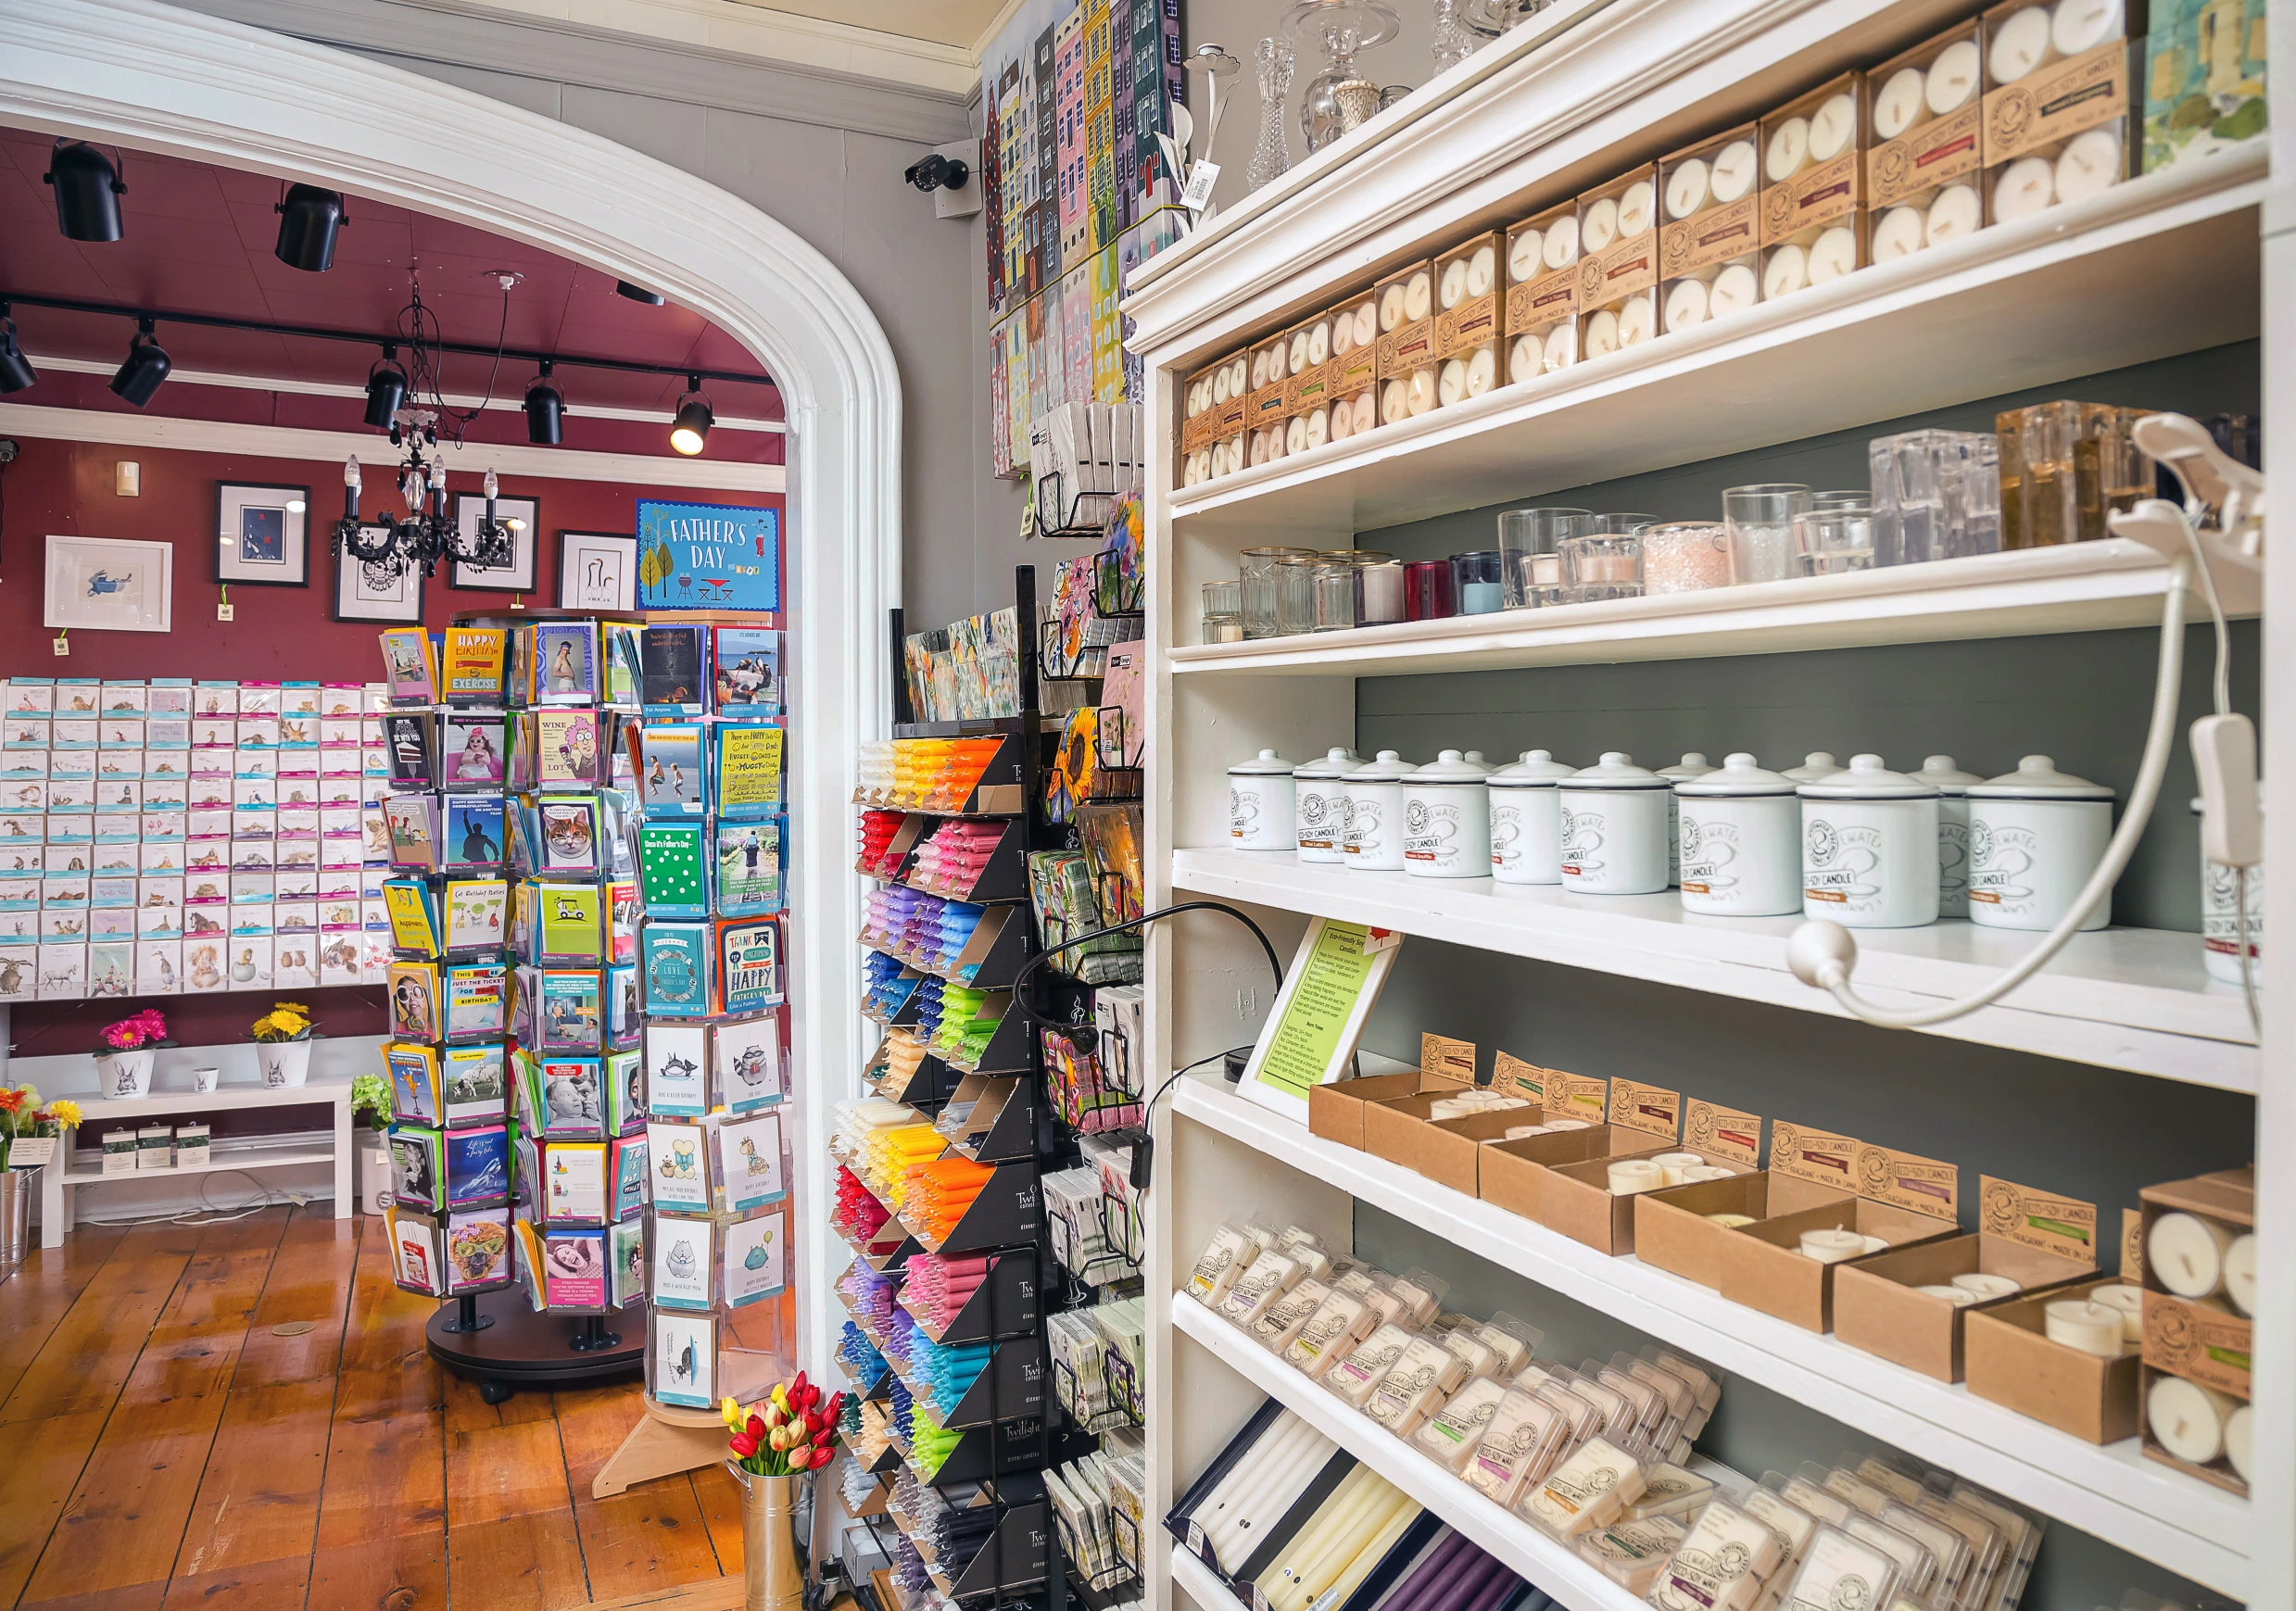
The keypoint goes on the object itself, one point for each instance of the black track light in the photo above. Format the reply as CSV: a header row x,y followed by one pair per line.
x,y
309,218
16,370
546,409
146,366
691,432
88,189
386,388
637,293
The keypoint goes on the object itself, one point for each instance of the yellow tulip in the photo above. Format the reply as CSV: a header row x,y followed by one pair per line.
x,y
732,1412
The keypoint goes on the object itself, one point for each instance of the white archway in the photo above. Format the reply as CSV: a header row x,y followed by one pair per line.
x,y
151,76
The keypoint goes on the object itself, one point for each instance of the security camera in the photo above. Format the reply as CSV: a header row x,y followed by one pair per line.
x,y
945,173
938,173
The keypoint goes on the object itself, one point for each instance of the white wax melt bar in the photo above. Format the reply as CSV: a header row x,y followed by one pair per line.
x,y
1809,1496
1838,1571
1513,1447
1668,1489
1916,1569
1281,1321
1354,1377
1723,1561
1952,78
1792,1524
1415,1386
1634,1553
1561,249
1587,1490
1522,254
1330,1334
1453,1431
1267,1278
1224,1258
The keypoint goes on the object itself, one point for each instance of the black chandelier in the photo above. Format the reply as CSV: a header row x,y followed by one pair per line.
x,y
427,533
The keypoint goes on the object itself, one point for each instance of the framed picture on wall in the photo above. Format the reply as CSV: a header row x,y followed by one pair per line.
x,y
108,584
364,592
597,571
262,536
524,516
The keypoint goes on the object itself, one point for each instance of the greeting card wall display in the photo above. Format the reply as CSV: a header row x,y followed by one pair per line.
x,y
376,592
597,571
524,516
698,556
108,584
262,537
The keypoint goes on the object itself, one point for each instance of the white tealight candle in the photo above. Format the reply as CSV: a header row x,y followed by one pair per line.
x,y
1959,1297
2126,1302
1833,253
1736,166
1875,1244
1602,334
1561,249
1952,78
1318,345
2188,1419
2091,1327
1986,1288
1188,471
1481,270
1482,370
2081,25
1394,402
1831,128
1453,286
1672,1165
1199,394
1420,398
1686,188
1561,347
1391,307
2238,1439
1367,322
1685,305
1258,453
1297,359
1629,1175
1451,384
1278,443
1566,1124
1367,410
1898,234
1278,364
2020,44
2188,1253
1831,1247
1522,254
2241,1273
1235,378
1522,360
1703,1172
1955,211
1342,420
1786,273
2025,187
1898,103
1789,150
2089,164
1220,386
1343,335
1295,435
1418,297
1259,370
1638,320
1319,427
1735,290
1638,209
1601,226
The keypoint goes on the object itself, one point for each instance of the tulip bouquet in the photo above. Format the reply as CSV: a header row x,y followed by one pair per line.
x,y
787,1432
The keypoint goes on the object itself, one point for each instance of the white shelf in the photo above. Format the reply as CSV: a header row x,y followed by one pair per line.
x,y
222,1098
2081,587
1548,1565
2163,264
220,1158
2134,999
1202,1584
2113,1492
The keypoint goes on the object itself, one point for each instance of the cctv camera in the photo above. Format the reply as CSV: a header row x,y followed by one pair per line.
x,y
938,173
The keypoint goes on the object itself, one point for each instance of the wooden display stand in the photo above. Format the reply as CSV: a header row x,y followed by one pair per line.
x,y
666,1441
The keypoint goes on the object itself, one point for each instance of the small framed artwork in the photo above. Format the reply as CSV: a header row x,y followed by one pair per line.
x,y
597,571
524,516
366,591
108,584
262,536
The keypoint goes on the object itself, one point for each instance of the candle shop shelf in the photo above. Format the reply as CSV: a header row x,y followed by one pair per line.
x,y
1548,1565
2133,999
2188,1526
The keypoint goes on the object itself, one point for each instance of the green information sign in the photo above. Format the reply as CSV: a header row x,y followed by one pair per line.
x,y
1333,980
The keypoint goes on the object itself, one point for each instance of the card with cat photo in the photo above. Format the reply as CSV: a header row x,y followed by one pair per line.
x,y
684,1260
570,835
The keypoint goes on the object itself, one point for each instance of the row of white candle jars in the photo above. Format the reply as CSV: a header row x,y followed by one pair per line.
x,y
1373,794
1740,840
1691,765
1262,809
1446,819
2034,836
1526,819
2220,914
1870,847
1614,828
1321,805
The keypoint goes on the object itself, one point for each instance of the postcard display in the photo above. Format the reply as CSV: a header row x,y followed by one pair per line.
x,y
708,843
172,837
518,1144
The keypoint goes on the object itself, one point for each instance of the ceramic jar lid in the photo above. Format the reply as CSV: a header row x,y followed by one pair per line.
x,y
1388,767
1615,770
1450,767
1815,765
1867,778
1738,775
2037,778
1337,763
1693,764
1474,758
1950,778
1538,769
1268,763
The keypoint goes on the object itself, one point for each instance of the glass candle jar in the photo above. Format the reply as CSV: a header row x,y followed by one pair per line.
x,y
1760,522
1335,596
1833,539
1427,591
1684,557
1596,568
1622,524
1222,600
1530,541
1475,581
1379,594
1257,580
1223,628
1295,592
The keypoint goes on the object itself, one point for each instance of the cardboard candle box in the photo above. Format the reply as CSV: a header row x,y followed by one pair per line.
x,y
1672,1230
191,1146
1576,1198
2010,1360
1263,403
1407,342
1353,379
119,1152
1308,372
1470,312
1543,293
1618,262
2057,130
1512,1173
1709,237
1335,1112
1812,222
2219,1471
2039,1242
155,1148
2204,1339
1445,1151
1920,155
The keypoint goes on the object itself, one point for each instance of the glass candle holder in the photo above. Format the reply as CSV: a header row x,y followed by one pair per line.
x,y
1621,525
1256,572
1833,539
1844,497
1222,628
1427,591
1684,557
1223,597
1530,542
1761,521
1295,592
1597,567
1335,594
1379,594
1475,580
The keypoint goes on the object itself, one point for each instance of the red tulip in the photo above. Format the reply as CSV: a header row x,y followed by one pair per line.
x,y
756,1427
821,1458
743,1445
824,1438
797,1386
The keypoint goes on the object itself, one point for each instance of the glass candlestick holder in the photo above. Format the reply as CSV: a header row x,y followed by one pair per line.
x,y
1272,153
1339,96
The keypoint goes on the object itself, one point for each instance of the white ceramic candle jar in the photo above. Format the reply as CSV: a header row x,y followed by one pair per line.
x,y
1614,828
1870,848
2034,836
1321,808
1526,820
1691,765
1374,793
1261,810
1446,819
2220,915
1952,831
1741,836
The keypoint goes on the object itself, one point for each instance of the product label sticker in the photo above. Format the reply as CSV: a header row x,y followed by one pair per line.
x,y
2199,1342
1450,1059
1815,1155
1578,1095
1197,196
1510,1076
1817,196
2063,1226
1938,153
2132,1246
1627,267
2057,102
1718,1132
1713,236
1549,299
1309,387
1904,1180
1648,1109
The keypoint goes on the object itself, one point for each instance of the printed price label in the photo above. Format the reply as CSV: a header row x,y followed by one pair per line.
x,y
31,1151
223,611
1198,194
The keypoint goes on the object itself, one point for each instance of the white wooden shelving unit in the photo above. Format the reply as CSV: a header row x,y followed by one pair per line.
x,y
2167,264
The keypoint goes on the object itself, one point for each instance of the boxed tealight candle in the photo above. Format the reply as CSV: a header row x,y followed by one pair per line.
x,y
1543,293
1353,383
1618,262
2199,1243
1307,382
1199,423
1813,187
1262,404
1709,233
1407,342
2010,1359
1470,311
2056,103
1335,1112
1921,173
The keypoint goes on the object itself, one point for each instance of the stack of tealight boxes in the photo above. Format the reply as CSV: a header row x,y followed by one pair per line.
x,y
176,836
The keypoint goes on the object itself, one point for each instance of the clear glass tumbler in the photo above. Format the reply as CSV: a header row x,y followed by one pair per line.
x,y
1335,594
1295,592
1223,611
1475,578
1832,540
1760,519
1256,573
1621,525
1684,557
1596,566
1530,543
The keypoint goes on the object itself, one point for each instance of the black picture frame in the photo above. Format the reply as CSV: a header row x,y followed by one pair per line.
x,y
571,543
344,606
525,543
247,524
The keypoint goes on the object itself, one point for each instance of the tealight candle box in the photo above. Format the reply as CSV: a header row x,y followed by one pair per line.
x,y
1407,342
1618,262
2056,103
2009,1359
2199,1278
1577,1199
1710,230
1469,319
1922,182
1512,1174
1352,381
1262,404
1404,1130
2200,1430
1541,314
1813,187
1307,382
1764,1267
1336,1112
1675,1228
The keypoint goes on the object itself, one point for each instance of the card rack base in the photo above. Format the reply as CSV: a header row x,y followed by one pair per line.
x,y
496,1340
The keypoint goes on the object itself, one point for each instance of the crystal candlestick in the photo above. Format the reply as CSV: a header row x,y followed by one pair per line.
x,y
1271,154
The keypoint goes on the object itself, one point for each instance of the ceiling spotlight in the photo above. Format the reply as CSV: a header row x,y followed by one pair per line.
x,y
386,388
16,370
309,218
88,189
637,293
691,432
546,408
147,364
